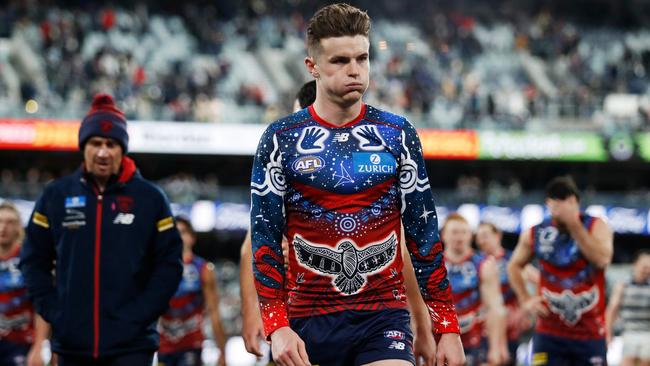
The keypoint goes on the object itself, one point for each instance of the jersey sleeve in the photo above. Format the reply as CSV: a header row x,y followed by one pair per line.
x,y
421,233
268,185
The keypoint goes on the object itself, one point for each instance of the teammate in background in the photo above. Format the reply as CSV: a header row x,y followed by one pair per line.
x,y
488,240
305,96
631,300
476,291
102,256
572,249
181,333
334,179
252,327
22,332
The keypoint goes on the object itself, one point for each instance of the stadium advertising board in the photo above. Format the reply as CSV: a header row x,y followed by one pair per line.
x,y
144,137
37,134
225,139
442,144
569,146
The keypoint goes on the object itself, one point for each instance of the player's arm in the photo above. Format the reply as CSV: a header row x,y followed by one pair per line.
x,y
211,295
596,245
521,257
421,233
492,301
37,260
418,308
252,327
425,248
423,343
267,226
612,309
41,333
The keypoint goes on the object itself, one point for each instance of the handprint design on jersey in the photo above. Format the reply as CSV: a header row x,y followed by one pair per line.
x,y
312,140
369,138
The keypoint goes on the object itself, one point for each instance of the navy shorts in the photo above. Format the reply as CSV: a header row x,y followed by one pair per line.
x,y
190,357
143,358
13,354
559,351
356,337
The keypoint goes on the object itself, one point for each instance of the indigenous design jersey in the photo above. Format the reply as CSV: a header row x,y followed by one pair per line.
x,y
180,327
573,288
337,194
465,286
16,312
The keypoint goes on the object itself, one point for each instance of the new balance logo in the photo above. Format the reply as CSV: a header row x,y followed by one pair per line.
x,y
397,345
340,137
124,218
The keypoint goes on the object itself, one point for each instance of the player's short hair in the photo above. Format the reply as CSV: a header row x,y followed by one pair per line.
x,y
336,20
307,94
640,253
184,220
6,205
454,216
491,225
562,188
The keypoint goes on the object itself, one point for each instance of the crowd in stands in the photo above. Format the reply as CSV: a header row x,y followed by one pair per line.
x,y
473,67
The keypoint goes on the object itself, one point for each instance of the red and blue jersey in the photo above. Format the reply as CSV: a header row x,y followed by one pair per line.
x,y
180,327
16,312
338,194
572,287
465,280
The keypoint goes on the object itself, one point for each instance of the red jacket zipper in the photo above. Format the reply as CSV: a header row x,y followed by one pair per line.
x,y
98,237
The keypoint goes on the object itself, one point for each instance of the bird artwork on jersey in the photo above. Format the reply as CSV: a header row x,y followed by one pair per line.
x,y
338,194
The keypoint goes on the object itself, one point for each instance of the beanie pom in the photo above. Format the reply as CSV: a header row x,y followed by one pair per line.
x,y
101,101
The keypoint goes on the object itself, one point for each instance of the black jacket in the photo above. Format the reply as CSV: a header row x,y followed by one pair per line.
x,y
116,258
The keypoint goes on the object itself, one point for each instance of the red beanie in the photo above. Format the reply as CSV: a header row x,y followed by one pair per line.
x,y
106,120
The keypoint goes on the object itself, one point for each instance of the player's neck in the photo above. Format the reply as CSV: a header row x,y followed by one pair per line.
x,y
187,255
7,248
335,113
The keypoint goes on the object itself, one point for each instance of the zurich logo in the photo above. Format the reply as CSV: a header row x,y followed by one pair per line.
x,y
307,164
375,159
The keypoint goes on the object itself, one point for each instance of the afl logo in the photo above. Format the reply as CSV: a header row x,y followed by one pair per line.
x,y
308,164
375,159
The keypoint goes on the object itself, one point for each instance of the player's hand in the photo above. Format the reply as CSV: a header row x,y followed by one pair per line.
x,y
34,357
498,356
288,349
535,306
252,332
564,212
424,348
518,319
450,350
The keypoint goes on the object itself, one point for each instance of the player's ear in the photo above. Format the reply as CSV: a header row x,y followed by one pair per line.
x,y
311,64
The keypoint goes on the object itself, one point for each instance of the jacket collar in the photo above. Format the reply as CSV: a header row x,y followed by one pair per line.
x,y
128,169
